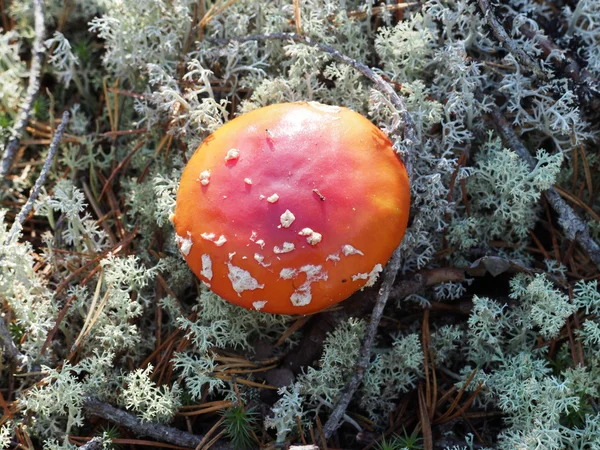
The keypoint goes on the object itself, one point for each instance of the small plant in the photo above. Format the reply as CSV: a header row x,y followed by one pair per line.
x,y
239,423
406,441
108,433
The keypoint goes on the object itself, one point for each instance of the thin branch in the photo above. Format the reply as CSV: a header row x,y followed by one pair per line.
x,y
509,44
35,190
364,357
346,417
567,65
420,281
575,229
32,89
378,81
163,433
93,444
9,349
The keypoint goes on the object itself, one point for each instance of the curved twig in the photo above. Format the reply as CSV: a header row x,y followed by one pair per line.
x,y
93,444
575,229
524,59
364,357
35,190
35,71
378,81
163,433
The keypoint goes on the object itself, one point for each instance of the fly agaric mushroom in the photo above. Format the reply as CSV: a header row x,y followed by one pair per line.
x,y
292,207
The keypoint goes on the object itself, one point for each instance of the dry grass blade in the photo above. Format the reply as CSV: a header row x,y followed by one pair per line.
x,y
321,434
219,407
359,15
63,311
457,399
292,329
297,17
587,171
462,410
300,430
213,440
90,313
210,432
576,200
246,382
424,420
217,8
121,164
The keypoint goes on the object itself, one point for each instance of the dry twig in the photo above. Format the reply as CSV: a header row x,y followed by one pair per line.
x,y
38,53
93,444
365,352
162,433
9,349
509,44
382,85
574,228
35,191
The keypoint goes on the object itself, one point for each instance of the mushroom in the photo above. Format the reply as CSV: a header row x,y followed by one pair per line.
x,y
338,206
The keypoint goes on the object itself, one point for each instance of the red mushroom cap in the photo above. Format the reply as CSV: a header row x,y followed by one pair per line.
x,y
292,207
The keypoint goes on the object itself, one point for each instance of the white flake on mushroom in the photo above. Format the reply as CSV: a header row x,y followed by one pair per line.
x,y
272,198
348,250
258,305
259,259
248,181
286,248
261,242
206,267
288,274
208,236
185,244
242,280
334,257
302,296
211,237
253,236
313,237
287,218
325,108
220,241
371,277
204,178
233,153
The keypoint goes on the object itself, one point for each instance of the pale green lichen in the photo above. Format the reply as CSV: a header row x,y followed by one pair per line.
x,y
170,83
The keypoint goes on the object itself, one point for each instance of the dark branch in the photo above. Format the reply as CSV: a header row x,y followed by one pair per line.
x,y
525,60
589,86
35,190
93,444
162,433
575,229
364,357
9,349
32,89
378,81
